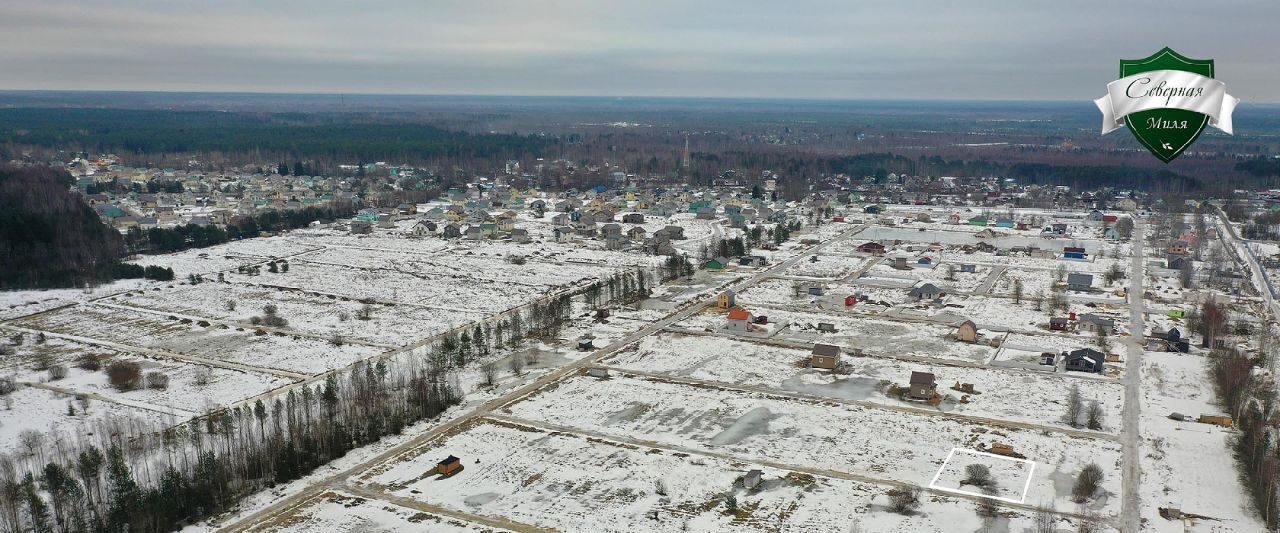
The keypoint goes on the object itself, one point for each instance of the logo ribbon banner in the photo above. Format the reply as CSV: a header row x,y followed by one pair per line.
x,y
1166,89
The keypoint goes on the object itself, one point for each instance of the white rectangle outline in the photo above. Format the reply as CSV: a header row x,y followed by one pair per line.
x,y
933,484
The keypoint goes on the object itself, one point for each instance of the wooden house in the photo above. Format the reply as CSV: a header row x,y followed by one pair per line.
x,y
825,356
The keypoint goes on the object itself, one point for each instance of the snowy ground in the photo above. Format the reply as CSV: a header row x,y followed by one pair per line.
x,y
1001,394
574,483
872,442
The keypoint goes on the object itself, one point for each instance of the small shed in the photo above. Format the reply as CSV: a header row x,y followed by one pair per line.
x,y
1058,324
826,327
751,479
449,466
967,332
727,299
585,345
598,372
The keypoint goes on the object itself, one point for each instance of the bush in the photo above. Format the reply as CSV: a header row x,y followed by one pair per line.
x,y
275,321
157,380
57,372
7,385
124,375
203,376
977,475
44,361
89,362
1087,483
337,340
904,500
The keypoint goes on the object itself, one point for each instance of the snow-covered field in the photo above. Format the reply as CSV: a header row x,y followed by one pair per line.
x,y
827,266
133,328
336,511
574,483
867,441
1001,394
306,312
1187,464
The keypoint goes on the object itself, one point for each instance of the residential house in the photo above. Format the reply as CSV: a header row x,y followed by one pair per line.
x,y
636,233
633,218
825,356
423,227
928,291
451,231
752,260
1085,360
716,264
739,320
520,235
871,248
1095,323
1058,323
1079,282
967,332
923,386
1178,247
727,299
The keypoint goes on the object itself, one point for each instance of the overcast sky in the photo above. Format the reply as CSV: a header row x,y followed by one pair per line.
x,y
838,49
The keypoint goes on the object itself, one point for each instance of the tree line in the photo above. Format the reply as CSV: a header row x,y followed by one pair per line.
x,y
139,477
187,236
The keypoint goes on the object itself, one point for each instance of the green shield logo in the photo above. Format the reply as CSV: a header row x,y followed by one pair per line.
x,y
1166,100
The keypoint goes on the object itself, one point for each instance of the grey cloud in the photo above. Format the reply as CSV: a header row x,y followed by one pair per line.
x,y
808,49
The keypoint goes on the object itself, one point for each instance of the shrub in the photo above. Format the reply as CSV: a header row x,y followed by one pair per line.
x,y
904,500
337,340
7,385
124,375
203,376
275,321
1087,483
89,362
157,380
57,372
44,361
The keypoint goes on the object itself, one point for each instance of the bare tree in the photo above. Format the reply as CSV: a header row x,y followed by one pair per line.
x,y
1074,406
516,364
1017,291
490,372
1094,416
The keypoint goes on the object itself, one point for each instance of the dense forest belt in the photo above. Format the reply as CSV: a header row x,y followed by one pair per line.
x,y
48,236
339,136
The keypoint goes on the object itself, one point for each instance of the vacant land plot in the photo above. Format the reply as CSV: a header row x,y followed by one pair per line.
x,y
847,438
574,483
312,313
341,512
183,336
1000,394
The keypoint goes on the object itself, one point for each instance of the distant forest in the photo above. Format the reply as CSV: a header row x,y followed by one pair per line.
x,y
330,136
